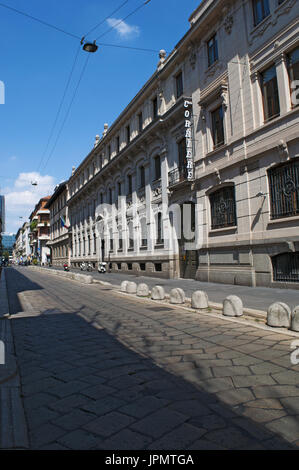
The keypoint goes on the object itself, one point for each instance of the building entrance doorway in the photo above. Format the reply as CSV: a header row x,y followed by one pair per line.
x,y
102,250
188,259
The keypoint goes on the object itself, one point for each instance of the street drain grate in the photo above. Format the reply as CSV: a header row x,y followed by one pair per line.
x,y
160,309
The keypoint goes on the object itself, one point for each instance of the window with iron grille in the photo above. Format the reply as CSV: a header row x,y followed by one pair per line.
x,y
286,267
284,190
223,208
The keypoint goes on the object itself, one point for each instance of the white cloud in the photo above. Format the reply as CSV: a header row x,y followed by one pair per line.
x,y
123,29
21,198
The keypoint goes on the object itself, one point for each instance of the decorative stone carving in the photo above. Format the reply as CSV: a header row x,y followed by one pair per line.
x,y
162,56
228,24
202,113
283,150
284,9
224,99
157,192
192,55
217,175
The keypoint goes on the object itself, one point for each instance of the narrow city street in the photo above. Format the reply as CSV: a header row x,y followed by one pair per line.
x,y
104,370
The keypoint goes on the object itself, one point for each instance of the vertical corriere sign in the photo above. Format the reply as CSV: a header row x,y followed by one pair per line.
x,y
189,140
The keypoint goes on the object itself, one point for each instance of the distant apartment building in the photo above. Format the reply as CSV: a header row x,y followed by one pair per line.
x,y
59,242
40,232
216,129
2,213
8,241
22,246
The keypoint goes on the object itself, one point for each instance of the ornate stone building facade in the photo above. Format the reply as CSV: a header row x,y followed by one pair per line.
x,y
59,233
215,129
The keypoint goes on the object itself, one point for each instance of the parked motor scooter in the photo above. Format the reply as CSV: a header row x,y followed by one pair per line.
x,y
89,267
102,267
83,266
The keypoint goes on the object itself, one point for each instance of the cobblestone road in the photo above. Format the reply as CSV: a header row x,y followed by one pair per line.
x,y
100,370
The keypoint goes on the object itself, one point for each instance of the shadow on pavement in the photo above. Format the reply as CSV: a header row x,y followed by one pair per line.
x,y
16,283
83,389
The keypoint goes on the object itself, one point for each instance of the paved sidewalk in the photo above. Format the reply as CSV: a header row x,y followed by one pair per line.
x,y
13,428
104,370
259,298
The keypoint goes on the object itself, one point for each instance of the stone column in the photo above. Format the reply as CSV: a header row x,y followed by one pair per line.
x,y
149,212
283,84
134,207
164,186
258,113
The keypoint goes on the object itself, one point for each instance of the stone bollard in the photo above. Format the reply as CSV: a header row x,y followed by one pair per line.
x,y
177,296
143,290
232,306
295,319
158,293
131,287
199,299
279,315
123,286
78,277
86,279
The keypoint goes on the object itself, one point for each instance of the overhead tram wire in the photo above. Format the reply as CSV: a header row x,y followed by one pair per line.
x,y
68,111
60,106
123,19
105,19
75,36
45,23
141,49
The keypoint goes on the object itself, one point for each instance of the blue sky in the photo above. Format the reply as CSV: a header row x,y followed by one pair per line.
x,y
35,63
